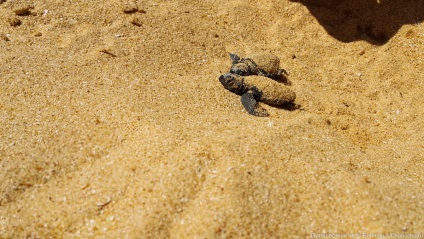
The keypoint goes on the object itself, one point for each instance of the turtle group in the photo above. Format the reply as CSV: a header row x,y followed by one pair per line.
x,y
256,78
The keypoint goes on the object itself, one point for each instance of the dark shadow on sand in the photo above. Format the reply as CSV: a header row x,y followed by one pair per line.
x,y
373,21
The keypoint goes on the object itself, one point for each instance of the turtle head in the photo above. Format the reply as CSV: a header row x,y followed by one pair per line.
x,y
240,69
240,66
233,83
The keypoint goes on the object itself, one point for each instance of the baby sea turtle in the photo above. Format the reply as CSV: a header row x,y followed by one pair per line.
x,y
264,64
254,89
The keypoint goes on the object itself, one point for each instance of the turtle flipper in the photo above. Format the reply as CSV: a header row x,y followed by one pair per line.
x,y
235,59
252,106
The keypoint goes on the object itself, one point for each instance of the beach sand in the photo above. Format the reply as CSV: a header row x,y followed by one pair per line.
x,y
114,124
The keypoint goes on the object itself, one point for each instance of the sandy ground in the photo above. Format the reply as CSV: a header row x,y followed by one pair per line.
x,y
114,124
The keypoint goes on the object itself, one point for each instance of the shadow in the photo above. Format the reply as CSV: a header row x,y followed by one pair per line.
x,y
290,106
374,21
283,79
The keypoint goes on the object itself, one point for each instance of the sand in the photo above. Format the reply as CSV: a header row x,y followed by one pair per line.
x,y
114,124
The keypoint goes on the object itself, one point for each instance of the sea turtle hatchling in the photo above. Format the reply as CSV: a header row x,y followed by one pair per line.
x,y
264,64
254,89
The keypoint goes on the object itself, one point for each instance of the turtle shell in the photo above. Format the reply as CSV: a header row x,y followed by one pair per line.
x,y
271,92
266,62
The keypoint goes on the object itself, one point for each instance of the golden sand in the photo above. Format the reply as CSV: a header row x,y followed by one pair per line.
x,y
114,124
